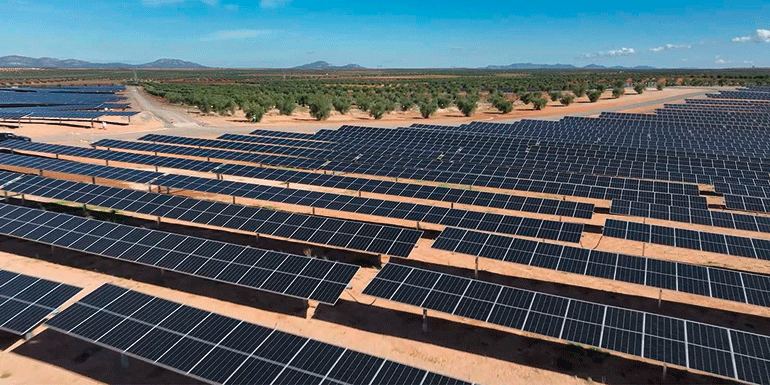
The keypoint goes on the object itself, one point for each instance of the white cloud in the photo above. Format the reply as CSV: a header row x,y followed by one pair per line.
x,y
231,7
273,3
720,61
611,53
760,36
236,34
669,47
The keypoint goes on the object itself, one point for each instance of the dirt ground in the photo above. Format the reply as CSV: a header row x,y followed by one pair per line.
x,y
462,348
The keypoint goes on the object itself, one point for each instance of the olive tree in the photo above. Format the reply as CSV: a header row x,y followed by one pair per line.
x,y
320,107
594,95
428,108
342,104
286,105
539,103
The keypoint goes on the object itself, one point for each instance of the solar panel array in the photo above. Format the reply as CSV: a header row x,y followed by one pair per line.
x,y
285,274
696,216
26,301
75,168
62,102
689,239
507,224
222,350
407,190
338,233
503,201
707,281
746,203
713,349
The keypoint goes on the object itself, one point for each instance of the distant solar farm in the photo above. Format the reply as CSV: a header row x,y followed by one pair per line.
x,y
61,103
645,237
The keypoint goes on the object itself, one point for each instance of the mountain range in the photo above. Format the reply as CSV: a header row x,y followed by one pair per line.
x,y
47,62
322,65
531,66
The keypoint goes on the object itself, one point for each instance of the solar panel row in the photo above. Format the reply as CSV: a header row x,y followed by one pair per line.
x,y
525,180
688,239
438,193
507,224
222,350
26,301
701,280
310,198
208,154
687,215
265,270
708,348
357,184
744,203
97,171
345,234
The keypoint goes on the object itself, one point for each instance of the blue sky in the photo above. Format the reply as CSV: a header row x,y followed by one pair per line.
x,y
426,33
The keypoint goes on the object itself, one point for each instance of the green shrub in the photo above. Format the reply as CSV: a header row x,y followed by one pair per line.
x,y
660,86
501,104
444,101
618,92
594,95
342,104
555,95
579,90
378,109
254,112
539,103
567,99
320,107
286,105
428,108
639,88
406,103
363,103
467,105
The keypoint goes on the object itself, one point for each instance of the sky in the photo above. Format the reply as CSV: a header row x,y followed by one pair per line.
x,y
392,34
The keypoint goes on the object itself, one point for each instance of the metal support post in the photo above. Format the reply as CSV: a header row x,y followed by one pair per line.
x,y
424,320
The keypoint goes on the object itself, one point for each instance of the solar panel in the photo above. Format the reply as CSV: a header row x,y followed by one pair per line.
x,y
747,203
532,180
222,350
707,281
370,238
26,301
439,193
713,349
208,154
688,239
67,167
697,216
506,224
285,274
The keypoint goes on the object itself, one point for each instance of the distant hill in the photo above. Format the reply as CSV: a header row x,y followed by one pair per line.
x,y
531,66
322,65
47,62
